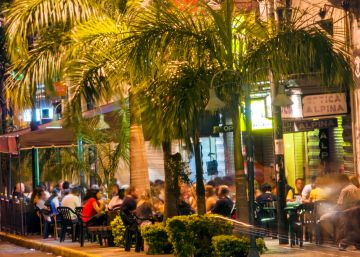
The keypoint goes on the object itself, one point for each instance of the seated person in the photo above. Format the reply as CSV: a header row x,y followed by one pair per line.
x,y
266,195
92,209
211,197
299,185
349,195
305,194
117,198
72,200
224,205
317,193
144,207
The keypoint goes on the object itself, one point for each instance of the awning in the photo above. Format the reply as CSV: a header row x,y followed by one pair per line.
x,y
47,137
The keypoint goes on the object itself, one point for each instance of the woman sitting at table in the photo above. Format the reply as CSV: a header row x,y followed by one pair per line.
x,y
117,199
92,209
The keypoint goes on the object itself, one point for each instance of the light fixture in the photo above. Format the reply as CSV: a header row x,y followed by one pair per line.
x,y
281,98
214,103
102,123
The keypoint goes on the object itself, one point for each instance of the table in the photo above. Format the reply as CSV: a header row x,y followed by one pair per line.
x,y
295,211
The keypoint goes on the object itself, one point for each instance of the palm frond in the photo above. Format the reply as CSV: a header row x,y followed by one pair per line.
x,y
41,66
300,50
25,18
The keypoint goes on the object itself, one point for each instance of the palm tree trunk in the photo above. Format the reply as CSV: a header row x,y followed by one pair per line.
x,y
170,187
3,158
200,188
139,175
242,210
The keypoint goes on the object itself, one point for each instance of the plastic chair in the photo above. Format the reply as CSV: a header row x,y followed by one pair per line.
x,y
67,218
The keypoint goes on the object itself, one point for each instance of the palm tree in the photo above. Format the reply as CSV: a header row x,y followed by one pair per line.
x,y
176,99
46,52
233,42
3,67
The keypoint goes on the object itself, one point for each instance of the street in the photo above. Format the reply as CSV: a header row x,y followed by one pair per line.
x,y
309,250
11,250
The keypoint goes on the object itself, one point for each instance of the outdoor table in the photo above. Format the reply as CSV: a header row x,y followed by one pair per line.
x,y
295,223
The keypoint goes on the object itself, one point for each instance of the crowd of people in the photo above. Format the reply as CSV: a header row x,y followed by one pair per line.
x,y
340,189
97,201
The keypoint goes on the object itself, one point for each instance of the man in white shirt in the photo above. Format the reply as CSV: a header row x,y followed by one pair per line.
x,y
72,200
305,194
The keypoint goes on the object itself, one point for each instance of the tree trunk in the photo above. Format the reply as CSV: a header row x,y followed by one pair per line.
x,y
3,158
170,185
139,175
200,188
242,210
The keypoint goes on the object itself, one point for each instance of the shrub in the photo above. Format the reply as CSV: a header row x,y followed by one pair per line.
x,y
231,246
156,238
192,235
118,231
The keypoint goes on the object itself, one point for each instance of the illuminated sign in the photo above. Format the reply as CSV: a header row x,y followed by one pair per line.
x,y
45,113
324,105
258,115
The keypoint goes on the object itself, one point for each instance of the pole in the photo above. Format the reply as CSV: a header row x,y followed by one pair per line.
x,y
1,175
93,164
35,167
9,186
253,252
279,166
81,160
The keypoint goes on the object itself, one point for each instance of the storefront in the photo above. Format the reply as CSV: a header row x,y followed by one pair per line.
x,y
317,131
317,134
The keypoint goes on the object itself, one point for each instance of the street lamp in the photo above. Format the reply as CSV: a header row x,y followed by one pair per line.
x,y
215,104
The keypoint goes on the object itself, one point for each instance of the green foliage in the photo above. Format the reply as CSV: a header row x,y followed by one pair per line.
x,y
192,235
118,231
157,239
230,246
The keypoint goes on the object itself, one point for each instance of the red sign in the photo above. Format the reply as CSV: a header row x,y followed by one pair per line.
x,y
60,89
245,5
185,4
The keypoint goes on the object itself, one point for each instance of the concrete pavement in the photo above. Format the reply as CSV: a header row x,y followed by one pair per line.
x,y
70,249
11,250
308,250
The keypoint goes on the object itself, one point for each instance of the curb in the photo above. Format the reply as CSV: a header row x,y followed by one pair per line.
x,y
57,250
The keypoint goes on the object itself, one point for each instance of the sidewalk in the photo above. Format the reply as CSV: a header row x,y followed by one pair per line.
x,y
73,249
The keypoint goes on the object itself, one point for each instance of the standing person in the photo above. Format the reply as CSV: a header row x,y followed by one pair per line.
x,y
224,204
299,186
211,197
131,224
92,209
305,194
72,200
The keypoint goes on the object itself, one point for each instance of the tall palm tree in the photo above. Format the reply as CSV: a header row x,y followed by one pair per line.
x,y
4,111
46,52
172,104
234,42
